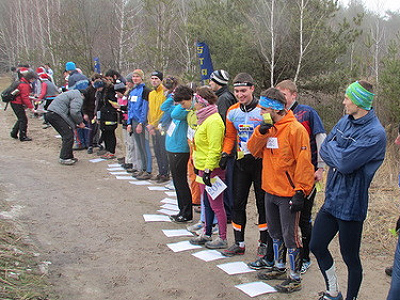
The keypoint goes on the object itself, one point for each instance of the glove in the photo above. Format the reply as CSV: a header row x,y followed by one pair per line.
x,y
195,171
297,202
398,226
223,161
264,127
207,178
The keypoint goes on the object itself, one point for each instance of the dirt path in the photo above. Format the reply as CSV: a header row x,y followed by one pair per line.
x,y
90,227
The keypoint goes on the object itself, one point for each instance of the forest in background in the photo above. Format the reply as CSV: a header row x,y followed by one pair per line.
x,y
319,44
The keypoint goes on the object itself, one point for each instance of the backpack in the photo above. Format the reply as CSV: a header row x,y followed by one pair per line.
x,y
11,92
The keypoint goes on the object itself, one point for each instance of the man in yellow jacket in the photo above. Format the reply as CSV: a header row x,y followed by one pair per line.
x,y
156,98
287,178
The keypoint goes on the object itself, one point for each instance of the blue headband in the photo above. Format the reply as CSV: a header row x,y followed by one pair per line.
x,y
271,103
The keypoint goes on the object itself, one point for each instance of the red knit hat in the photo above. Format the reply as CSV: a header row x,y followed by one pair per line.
x,y
40,71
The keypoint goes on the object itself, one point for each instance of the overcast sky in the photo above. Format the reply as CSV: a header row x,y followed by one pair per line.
x,y
379,5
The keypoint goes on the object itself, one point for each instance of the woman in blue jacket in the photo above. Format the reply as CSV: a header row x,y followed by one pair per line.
x,y
177,147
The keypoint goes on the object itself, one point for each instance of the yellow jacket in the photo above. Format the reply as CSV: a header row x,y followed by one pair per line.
x,y
208,141
286,154
156,98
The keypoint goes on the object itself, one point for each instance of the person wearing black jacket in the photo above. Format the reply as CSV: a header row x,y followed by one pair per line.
x,y
106,115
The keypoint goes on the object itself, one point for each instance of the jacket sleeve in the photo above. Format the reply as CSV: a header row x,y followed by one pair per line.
x,y
304,171
348,158
43,91
179,113
215,137
75,110
230,136
257,142
143,112
24,92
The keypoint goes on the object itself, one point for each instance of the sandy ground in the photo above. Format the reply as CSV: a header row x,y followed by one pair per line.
x,y
90,226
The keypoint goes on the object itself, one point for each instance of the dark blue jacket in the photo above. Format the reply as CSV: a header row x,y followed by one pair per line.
x,y
354,150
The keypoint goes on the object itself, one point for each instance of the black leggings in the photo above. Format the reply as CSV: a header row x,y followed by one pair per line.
x,y
325,229
108,135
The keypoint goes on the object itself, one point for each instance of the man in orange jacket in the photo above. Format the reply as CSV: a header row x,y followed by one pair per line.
x,y
287,178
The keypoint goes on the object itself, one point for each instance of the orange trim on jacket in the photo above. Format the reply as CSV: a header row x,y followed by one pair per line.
x,y
286,154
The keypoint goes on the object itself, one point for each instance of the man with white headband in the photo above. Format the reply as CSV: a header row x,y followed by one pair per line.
x,y
287,178
354,150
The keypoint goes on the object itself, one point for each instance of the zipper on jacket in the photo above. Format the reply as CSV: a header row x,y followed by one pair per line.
x,y
290,179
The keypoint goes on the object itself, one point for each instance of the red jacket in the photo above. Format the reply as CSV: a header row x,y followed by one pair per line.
x,y
24,92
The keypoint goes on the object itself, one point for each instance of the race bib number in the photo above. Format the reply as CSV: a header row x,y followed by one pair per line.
x,y
133,98
190,133
217,187
171,129
272,143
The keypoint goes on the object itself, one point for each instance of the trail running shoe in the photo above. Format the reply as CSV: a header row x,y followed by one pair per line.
x,y
144,176
289,286
272,273
200,240
305,266
326,296
180,219
67,162
233,250
217,243
261,263
195,227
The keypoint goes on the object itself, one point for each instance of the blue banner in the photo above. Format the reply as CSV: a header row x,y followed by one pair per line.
x,y
206,66
96,67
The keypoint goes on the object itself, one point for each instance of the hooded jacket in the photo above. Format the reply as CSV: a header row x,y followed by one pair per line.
x,y
354,150
23,96
286,154
68,105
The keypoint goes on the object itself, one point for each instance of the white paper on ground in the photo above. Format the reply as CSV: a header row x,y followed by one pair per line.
x,y
156,218
169,201
115,169
157,188
176,232
119,173
237,267
58,136
167,212
209,255
170,206
96,160
171,194
256,288
182,246
124,177
140,182
114,165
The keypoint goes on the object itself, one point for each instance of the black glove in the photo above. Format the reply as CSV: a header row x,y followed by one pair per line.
x,y
297,202
398,226
223,161
195,171
207,178
264,127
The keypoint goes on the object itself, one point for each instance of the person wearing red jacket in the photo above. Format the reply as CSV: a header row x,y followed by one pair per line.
x,y
26,77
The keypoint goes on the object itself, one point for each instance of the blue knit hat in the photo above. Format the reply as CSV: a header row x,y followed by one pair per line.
x,y
70,66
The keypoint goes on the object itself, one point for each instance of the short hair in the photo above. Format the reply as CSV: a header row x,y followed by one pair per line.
x,y
112,73
96,76
183,92
275,94
206,93
287,85
366,85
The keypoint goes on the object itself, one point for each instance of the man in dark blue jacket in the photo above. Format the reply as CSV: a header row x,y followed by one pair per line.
x,y
354,150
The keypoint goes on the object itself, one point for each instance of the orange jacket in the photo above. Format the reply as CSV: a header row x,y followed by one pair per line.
x,y
286,154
